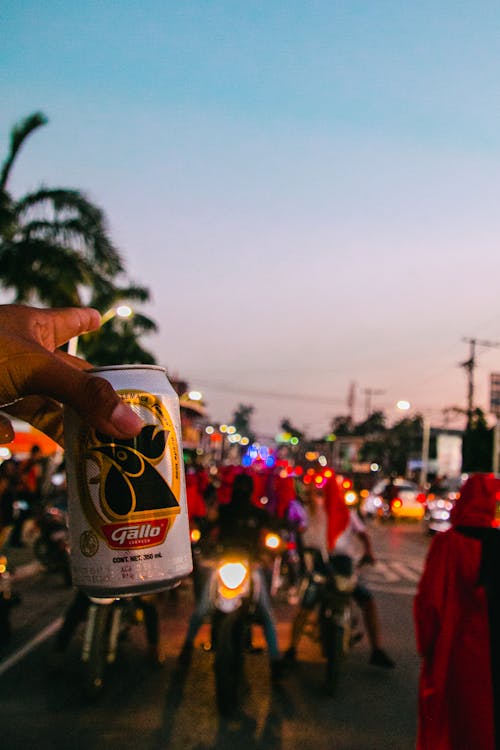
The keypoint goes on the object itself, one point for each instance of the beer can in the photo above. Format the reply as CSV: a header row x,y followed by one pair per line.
x,y
127,507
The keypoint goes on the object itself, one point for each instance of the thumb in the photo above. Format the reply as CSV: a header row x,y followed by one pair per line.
x,y
92,397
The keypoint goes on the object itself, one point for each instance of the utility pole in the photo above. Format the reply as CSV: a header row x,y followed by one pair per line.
x,y
369,392
469,365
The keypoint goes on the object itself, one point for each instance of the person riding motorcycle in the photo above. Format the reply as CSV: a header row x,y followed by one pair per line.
x,y
332,530
240,527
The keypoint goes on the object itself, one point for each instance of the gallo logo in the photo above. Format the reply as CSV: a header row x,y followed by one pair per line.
x,y
135,535
131,488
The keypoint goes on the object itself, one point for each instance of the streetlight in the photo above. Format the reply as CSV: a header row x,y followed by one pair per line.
x,y
404,405
121,311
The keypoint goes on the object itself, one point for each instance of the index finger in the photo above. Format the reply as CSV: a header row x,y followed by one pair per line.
x,y
68,322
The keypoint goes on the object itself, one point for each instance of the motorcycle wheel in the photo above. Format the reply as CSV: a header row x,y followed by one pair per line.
x,y
228,663
93,677
333,644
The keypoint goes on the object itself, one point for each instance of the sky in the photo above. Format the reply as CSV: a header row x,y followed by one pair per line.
x,y
309,190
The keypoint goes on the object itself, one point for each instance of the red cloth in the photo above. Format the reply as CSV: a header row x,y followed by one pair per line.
x,y
452,630
336,509
285,492
196,484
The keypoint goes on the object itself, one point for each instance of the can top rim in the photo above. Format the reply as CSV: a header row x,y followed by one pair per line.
x,y
127,367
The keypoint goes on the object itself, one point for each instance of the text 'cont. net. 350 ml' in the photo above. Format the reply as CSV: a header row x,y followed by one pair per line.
x,y
128,515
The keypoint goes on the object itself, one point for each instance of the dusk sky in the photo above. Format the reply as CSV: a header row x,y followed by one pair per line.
x,y
310,190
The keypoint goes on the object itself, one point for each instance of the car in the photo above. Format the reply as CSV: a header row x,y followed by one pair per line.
x,y
439,503
406,502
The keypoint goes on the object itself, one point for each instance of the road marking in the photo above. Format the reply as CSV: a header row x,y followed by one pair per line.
x,y
384,569
405,571
398,590
21,653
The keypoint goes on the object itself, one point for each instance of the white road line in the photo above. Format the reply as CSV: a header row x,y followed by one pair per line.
x,y
405,571
384,569
389,589
21,653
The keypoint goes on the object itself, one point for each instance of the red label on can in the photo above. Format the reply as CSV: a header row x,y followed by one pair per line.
x,y
136,535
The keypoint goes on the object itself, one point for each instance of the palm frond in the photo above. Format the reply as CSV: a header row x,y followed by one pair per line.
x,y
18,135
65,205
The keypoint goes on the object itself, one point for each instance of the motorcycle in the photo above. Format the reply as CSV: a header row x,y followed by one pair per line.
x,y
107,623
234,594
336,625
51,546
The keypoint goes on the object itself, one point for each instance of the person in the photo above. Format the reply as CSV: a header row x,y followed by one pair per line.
x,y
333,529
457,620
240,524
37,378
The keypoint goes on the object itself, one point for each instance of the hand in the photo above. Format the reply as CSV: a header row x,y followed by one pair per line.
x,y
36,378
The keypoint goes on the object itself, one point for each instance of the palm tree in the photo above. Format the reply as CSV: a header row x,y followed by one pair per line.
x,y
54,243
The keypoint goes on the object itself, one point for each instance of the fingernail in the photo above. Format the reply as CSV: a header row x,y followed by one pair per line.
x,y
126,420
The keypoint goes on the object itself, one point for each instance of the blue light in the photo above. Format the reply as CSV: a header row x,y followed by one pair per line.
x,y
246,461
270,461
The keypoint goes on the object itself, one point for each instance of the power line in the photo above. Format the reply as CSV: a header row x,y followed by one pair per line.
x,y
469,365
218,386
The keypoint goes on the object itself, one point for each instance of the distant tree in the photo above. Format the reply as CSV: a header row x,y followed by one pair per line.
x,y
375,423
342,426
477,446
241,420
286,426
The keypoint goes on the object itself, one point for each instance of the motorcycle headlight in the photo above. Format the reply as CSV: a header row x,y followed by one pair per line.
x,y
272,541
233,574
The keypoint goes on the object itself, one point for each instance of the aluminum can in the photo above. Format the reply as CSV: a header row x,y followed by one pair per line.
x,y
128,519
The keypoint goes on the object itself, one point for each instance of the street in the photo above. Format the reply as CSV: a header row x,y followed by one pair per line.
x,y
154,708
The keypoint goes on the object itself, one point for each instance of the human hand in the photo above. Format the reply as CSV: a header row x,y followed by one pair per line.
x,y
36,378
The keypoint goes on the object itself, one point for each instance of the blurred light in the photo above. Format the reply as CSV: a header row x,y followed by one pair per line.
x,y
270,461
350,497
244,441
347,484
195,395
299,471
5,453
403,405
294,441
233,574
328,473
124,311
231,429
272,541
209,430
374,467
195,535
223,428
318,479
311,455
264,500
322,461
246,460
364,493
397,503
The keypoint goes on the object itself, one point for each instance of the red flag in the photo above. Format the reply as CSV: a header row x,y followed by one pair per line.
x,y
337,511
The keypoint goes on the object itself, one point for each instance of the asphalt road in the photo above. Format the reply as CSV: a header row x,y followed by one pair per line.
x,y
144,707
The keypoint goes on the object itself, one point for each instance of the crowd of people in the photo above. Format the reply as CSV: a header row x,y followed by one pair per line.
x,y
242,502
458,601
